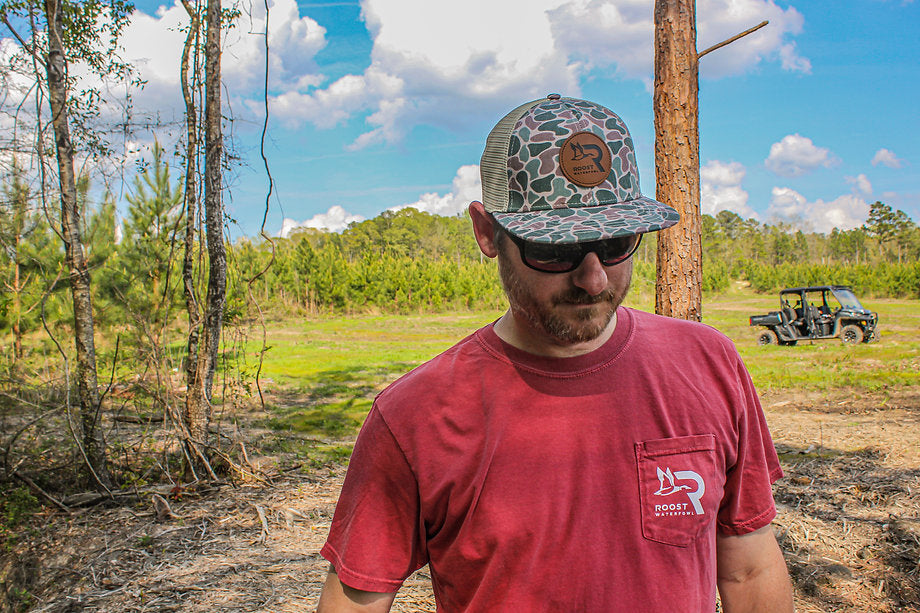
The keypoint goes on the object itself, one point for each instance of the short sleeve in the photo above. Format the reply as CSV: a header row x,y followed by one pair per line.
x,y
747,503
375,539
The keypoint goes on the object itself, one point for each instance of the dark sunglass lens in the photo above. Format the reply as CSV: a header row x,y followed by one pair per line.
x,y
615,250
552,258
565,258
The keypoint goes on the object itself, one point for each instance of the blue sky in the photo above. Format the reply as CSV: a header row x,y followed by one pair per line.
x,y
386,103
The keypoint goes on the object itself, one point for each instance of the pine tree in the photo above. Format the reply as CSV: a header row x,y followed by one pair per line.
x,y
148,257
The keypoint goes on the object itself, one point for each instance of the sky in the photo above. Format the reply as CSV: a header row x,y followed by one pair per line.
x,y
382,104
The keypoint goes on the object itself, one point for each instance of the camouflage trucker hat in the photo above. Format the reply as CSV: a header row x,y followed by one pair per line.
x,y
562,170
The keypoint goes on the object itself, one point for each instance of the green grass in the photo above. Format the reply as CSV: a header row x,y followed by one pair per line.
x,y
825,364
325,372
329,351
16,506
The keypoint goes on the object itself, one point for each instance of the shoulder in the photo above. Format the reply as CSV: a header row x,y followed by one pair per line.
x,y
679,336
435,376
651,323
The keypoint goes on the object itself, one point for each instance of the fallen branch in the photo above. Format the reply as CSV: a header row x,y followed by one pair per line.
x,y
134,419
42,492
265,531
86,499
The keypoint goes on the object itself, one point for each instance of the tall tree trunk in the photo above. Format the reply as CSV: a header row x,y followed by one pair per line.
x,y
678,291
191,215
88,392
16,191
17,293
199,412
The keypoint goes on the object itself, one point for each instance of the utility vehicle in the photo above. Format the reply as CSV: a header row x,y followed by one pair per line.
x,y
817,312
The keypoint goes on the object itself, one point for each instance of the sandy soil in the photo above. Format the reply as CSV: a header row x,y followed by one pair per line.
x,y
848,521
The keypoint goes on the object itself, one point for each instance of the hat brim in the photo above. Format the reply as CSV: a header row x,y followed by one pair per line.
x,y
585,224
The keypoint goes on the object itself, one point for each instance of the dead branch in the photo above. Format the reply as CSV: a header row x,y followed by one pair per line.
x,y
732,39
67,407
264,521
112,377
87,499
41,492
134,419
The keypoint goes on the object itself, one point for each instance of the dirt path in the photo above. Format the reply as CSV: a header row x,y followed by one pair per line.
x,y
849,522
849,506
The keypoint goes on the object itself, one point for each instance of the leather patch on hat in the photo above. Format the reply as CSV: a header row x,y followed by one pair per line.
x,y
585,159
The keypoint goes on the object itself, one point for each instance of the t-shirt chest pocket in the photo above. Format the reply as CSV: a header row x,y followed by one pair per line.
x,y
679,487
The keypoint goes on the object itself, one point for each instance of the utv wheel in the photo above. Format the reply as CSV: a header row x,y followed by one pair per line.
x,y
851,334
767,337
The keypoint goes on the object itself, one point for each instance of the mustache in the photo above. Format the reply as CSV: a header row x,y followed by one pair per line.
x,y
579,296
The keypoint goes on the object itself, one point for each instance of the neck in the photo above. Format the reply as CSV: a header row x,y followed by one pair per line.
x,y
520,334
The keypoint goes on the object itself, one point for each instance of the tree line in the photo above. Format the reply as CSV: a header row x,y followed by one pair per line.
x,y
399,261
879,258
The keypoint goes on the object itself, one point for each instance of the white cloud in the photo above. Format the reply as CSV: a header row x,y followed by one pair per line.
x,y
796,155
439,75
719,20
861,185
791,61
465,189
335,219
845,213
621,33
603,33
153,43
886,158
473,67
720,189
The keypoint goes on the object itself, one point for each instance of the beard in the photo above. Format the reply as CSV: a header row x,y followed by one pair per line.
x,y
565,325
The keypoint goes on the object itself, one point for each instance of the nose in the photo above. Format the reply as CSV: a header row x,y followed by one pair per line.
x,y
590,275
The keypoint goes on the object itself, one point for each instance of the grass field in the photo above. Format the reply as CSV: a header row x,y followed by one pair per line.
x,y
326,371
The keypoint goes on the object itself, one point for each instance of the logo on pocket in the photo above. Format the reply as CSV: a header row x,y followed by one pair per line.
x,y
675,483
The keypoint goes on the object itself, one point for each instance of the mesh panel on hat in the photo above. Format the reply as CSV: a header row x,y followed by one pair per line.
x,y
493,167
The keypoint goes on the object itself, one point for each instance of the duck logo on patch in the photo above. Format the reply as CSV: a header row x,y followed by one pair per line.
x,y
670,484
585,159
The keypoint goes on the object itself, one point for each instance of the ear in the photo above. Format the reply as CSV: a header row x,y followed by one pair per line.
x,y
483,229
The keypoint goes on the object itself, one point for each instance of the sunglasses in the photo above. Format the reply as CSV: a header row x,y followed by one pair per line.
x,y
546,257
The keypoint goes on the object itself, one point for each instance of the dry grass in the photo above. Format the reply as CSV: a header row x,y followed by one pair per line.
x,y
849,507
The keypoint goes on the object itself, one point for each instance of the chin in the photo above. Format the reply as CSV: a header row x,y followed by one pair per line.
x,y
585,327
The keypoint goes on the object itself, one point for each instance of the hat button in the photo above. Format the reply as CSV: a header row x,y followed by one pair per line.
x,y
553,97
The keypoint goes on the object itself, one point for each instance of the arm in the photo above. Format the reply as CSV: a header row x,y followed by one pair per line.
x,y
751,574
339,598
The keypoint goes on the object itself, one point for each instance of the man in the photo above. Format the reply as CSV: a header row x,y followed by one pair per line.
x,y
574,455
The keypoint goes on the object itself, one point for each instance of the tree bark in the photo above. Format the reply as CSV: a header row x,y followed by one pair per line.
x,y
678,290
191,215
18,226
87,389
199,407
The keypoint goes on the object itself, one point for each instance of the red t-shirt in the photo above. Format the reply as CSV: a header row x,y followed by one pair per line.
x,y
593,483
